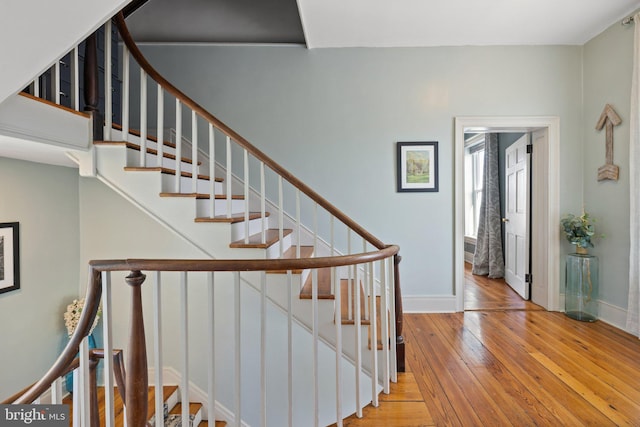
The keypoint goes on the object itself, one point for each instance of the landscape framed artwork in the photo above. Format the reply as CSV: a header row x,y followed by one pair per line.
x,y
417,168
9,256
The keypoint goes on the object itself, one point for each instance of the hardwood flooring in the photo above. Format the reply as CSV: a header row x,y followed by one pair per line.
x,y
511,364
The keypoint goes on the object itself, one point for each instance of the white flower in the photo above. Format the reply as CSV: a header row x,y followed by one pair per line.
x,y
72,316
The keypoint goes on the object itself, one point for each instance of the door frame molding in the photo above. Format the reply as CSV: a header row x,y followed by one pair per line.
x,y
544,222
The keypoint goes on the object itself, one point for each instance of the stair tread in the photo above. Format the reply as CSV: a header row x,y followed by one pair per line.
x,y
272,235
167,391
291,253
238,217
194,407
218,424
202,195
136,147
169,171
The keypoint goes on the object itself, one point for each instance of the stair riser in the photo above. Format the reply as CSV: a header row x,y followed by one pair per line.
x,y
203,207
186,185
238,230
274,250
133,160
116,135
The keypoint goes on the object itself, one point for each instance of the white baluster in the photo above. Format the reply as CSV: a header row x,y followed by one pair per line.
x,y
238,351
56,392
55,81
143,118
298,221
160,126
212,172
125,93
290,346
392,316
75,80
263,348
108,82
263,205
77,404
178,142
349,280
84,382
280,215
366,276
211,398
358,340
157,344
194,152
228,178
384,322
373,327
246,197
184,343
36,87
316,327
335,283
107,321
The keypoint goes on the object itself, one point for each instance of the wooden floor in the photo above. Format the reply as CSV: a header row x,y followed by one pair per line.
x,y
511,364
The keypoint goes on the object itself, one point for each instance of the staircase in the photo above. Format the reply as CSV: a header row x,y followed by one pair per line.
x,y
171,416
292,285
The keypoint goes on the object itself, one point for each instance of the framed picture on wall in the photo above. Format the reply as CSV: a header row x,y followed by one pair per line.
x,y
9,256
417,168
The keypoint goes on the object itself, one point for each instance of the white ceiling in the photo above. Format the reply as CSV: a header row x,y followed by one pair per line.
x,y
395,23
378,23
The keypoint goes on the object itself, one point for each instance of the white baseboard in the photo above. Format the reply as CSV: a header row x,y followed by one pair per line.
x,y
171,376
429,304
613,315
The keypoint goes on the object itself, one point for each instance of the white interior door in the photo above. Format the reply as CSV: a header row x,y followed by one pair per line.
x,y
517,216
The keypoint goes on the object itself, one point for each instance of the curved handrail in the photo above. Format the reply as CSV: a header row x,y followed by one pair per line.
x,y
167,86
92,302
279,264
94,291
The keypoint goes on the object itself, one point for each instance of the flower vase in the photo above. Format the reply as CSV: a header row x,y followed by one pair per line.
x,y
69,376
581,286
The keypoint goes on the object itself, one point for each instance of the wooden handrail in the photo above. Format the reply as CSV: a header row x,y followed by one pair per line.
x,y
92,301
280,264
167,86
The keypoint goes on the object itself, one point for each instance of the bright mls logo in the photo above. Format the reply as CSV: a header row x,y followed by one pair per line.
x,y
34,415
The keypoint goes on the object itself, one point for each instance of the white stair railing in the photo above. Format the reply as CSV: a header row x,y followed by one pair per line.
x,y
264,187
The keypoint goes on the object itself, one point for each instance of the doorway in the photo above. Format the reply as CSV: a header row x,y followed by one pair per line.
x,y
544,232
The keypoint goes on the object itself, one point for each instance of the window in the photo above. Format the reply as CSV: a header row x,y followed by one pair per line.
x,y
474,181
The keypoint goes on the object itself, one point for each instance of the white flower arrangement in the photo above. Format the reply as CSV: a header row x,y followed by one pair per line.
x,y
72,316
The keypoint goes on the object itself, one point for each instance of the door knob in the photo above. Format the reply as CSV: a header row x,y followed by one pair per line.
x,y
505,219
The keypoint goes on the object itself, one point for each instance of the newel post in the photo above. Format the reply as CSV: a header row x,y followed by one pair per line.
x,y
92,86
136,365
399,316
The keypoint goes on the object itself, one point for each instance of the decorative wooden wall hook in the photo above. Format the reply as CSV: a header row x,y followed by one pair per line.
x,y
608,118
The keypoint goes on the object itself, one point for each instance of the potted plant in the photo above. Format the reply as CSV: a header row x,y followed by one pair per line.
x,y
579,230
581,276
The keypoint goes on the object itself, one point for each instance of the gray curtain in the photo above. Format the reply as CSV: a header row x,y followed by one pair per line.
x,y
488,259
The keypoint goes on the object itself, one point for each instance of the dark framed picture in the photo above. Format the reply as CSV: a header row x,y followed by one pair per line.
x,y
417,168
9,256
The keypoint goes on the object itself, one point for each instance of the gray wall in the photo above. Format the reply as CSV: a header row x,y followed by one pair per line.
x,y
332,116
44,199
607,80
